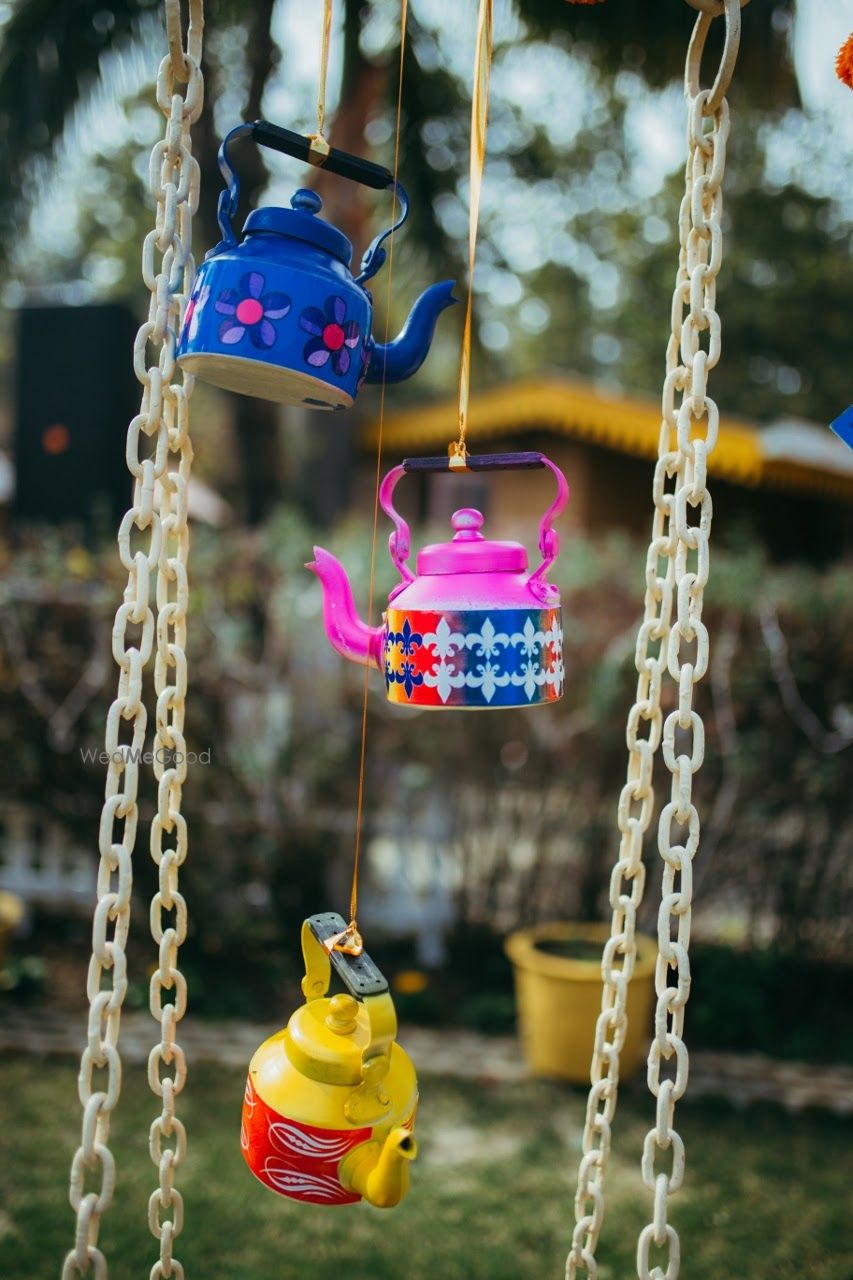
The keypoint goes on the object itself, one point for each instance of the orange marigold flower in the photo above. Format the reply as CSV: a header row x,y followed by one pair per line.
x,y
410,982
844,63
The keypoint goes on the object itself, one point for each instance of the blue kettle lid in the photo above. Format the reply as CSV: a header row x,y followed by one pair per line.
x,y
300,222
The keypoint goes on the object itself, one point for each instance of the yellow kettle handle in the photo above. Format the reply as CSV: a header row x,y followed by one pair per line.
x,y
362,979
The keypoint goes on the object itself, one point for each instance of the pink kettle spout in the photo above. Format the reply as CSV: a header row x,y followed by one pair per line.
x,y
347,633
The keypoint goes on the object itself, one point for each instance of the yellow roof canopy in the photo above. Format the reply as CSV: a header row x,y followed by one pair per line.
x,y
797,456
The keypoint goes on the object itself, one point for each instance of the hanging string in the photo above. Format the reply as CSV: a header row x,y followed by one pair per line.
x,y
350,940
479,124
318,151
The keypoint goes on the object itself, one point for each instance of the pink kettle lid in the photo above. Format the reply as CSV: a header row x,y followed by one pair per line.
x,y
470,552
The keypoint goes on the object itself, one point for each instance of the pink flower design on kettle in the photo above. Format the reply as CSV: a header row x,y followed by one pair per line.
x,y
250,310
195,306
333,336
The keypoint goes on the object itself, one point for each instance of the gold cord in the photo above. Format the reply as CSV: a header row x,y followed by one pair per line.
x,y
318,151
479,123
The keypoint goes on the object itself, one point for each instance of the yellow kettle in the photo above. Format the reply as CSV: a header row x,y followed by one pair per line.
x,y
330,1100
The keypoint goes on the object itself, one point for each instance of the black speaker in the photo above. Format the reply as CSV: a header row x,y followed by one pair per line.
x,y
76,393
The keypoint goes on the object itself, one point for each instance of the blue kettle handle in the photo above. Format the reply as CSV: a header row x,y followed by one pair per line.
x,y
341,162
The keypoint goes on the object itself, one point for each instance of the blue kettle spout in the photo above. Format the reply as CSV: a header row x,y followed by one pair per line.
x,y
397,360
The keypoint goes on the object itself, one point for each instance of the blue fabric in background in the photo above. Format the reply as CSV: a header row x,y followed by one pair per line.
x,y
843,427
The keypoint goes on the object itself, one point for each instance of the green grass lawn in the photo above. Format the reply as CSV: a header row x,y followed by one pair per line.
x,y
767,1196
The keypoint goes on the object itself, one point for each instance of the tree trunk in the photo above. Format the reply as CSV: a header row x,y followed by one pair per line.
x,y
255,423
327,476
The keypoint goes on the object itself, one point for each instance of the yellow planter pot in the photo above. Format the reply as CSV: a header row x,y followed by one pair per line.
x,y
11,915
559,999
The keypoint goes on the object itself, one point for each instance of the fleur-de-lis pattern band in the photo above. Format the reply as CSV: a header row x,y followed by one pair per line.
x,y
474,658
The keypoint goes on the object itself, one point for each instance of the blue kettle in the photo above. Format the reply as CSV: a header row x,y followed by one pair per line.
x,y
277,313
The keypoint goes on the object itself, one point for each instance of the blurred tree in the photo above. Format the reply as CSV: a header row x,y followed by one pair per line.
x,y
52,50
787,280
558,211
625,33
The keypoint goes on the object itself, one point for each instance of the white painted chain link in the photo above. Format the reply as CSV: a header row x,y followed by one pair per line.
x,y
710,9
676,573
696,422
175,180
634,813
160,545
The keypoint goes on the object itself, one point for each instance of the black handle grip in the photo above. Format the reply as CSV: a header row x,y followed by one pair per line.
x,y
340,162
359,974
479,462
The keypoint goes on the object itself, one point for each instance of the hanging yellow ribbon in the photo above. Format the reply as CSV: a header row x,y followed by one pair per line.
x,y
479,124
319,148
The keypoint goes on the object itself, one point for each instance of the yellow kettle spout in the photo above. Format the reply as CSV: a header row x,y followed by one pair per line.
x,y
380,1171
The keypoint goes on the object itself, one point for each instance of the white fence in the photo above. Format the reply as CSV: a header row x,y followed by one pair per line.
x,y
39,863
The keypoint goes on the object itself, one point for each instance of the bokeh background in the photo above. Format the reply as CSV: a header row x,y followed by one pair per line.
x,y
472,825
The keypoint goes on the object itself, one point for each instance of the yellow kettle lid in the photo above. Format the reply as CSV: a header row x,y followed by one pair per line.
x,y
326,1039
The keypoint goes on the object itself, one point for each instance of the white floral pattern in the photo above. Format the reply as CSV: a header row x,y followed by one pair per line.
x,y
530,678
556,673
292,1139
488,642
322,1188
487,678
529,640
446,645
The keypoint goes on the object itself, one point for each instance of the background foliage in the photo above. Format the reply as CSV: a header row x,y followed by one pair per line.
x,y
526,800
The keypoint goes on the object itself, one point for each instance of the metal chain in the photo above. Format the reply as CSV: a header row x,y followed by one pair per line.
x,y
151,436
676,570
175,178
634,814
696,423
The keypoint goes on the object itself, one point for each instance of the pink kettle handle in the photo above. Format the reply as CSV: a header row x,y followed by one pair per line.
x,y
400,543
400,539
549,538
